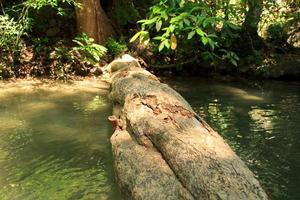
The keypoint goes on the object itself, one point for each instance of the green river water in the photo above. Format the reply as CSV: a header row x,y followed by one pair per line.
x,y
260,121
54,144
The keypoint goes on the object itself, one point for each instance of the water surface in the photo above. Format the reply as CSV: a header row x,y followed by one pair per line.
x,y
260,121
54,143
54,139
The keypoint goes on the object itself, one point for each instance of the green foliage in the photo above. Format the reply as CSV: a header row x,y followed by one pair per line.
x,y
38,4
173,24
115,48
14,26
276,33
88,50
125,13
230,56
41,45
77,60
278,19
9,32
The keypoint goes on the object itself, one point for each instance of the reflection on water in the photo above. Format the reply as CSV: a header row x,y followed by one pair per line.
x,y
262,124
55,145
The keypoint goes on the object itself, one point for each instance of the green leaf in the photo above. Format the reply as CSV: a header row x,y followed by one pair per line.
x,y
181,25
135,37
167,43
200,32
157,38
150,21
165,16
142,21
172,28
208,21
233,62
158,25
211,43
161,46
78,42
144,36
232,26
187,22
204,40
191,34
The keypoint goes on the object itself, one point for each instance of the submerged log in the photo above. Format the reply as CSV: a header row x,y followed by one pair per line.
x,y
163,150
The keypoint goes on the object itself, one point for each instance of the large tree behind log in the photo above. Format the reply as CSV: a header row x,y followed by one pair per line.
x,y
163,150
251,40
92,20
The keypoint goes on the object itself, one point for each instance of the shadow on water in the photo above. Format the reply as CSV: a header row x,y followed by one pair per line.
x,y
55,146
260,122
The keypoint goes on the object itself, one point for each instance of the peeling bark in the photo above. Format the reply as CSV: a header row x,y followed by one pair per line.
x,y
164,150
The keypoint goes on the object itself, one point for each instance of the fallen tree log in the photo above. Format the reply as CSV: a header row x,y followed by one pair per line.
x,y
163,149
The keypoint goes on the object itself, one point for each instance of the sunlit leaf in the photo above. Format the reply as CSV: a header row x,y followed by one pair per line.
x,y
200,32
191,34
167,43
233,62
187,22
135,37
158,25
161,46
204,40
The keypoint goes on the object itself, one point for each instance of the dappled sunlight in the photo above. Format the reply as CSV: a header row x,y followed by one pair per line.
x,y
263,118
34,108
213,143
95,104
239,93
57,130
215,112
10,123
27,86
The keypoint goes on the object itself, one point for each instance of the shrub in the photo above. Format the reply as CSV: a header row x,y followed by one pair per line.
x,y
184,24
10,43
9,31
115,48
77,60
88,50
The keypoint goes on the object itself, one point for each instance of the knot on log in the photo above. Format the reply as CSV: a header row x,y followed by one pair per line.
x,y
116,122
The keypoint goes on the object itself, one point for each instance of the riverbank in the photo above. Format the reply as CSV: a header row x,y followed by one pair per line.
x,y
78,84
271,67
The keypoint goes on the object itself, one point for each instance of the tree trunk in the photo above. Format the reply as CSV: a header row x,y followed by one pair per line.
x,y
250,25
163,149
92,20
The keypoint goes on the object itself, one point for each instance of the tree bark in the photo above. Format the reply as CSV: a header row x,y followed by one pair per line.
x,y
250,25
92,20
164,150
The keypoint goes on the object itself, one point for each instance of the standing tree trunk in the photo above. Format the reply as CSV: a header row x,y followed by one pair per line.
x,y
92,20
250,25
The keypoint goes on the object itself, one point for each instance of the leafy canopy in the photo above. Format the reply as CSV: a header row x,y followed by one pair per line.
x,y
179,23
